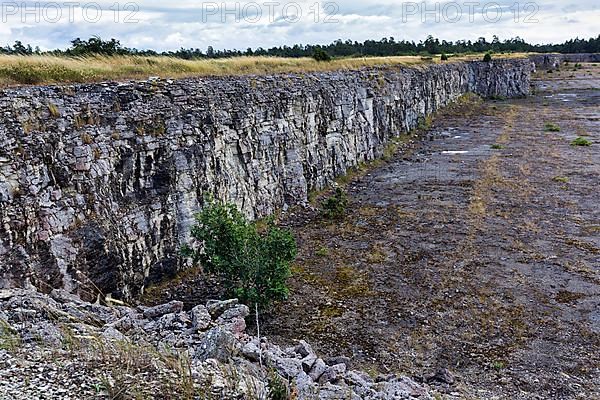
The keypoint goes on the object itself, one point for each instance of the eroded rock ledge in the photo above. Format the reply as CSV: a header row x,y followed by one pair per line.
x,y
59,347
99,182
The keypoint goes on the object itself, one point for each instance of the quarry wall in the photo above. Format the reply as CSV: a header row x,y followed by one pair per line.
x,y
554,61
99,182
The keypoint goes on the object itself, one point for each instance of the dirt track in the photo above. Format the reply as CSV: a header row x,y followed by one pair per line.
x,y
456,254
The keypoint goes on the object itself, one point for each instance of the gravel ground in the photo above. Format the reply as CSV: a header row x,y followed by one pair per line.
x,y
476,248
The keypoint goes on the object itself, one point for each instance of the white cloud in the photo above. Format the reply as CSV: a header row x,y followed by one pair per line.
x,y
192,24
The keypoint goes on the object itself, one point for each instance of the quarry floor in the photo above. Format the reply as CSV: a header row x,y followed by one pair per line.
x,y
455,254
475,248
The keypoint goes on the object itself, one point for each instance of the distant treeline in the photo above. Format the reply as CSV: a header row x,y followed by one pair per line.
x,y
339,48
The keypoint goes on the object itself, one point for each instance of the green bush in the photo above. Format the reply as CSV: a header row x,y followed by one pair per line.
x,y
551,127
321,55
444,57
334,207
254,266
487,57
581,142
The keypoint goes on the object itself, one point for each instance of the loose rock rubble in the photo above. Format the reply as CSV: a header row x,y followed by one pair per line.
x,y
59,347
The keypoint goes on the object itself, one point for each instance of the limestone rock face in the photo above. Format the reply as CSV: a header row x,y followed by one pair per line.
x,y
99,182
554,61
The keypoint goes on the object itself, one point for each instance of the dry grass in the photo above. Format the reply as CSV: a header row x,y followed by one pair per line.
x,y
31,70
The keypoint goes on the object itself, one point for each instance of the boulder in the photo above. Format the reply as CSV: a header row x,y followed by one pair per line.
x,y
442,375
333,374
200,318
401,388
113,335
218,344
237,311
251,350
218,307
174,321
234,319
318,368
338,360
6,294
333,392
160,310
306,389
304,349
289,368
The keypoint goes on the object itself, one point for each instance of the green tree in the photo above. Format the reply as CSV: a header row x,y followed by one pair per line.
x,y
96,45
253,265
321,55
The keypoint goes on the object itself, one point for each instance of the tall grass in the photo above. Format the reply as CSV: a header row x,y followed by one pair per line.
x,y
35,70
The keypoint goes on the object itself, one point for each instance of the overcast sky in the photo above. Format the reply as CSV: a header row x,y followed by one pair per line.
x,y
163,26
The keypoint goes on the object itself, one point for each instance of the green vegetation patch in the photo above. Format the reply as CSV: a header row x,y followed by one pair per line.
x,y
580,141
253,265
561,179
9,338
334,207
551,127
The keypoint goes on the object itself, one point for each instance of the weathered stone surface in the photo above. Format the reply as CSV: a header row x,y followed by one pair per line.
x,y
201,318
442,375
218,307
101,195
289,368
162,309
218,344
318,368
304,349
251,351
337,360
333,374
554,61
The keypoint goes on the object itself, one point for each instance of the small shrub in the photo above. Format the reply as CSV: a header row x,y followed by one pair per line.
x,y
279,388
254,266
425,122
581,142
487,57
498,365
561,179
335,206
551,127
444,57
497,147
322,252
321,55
